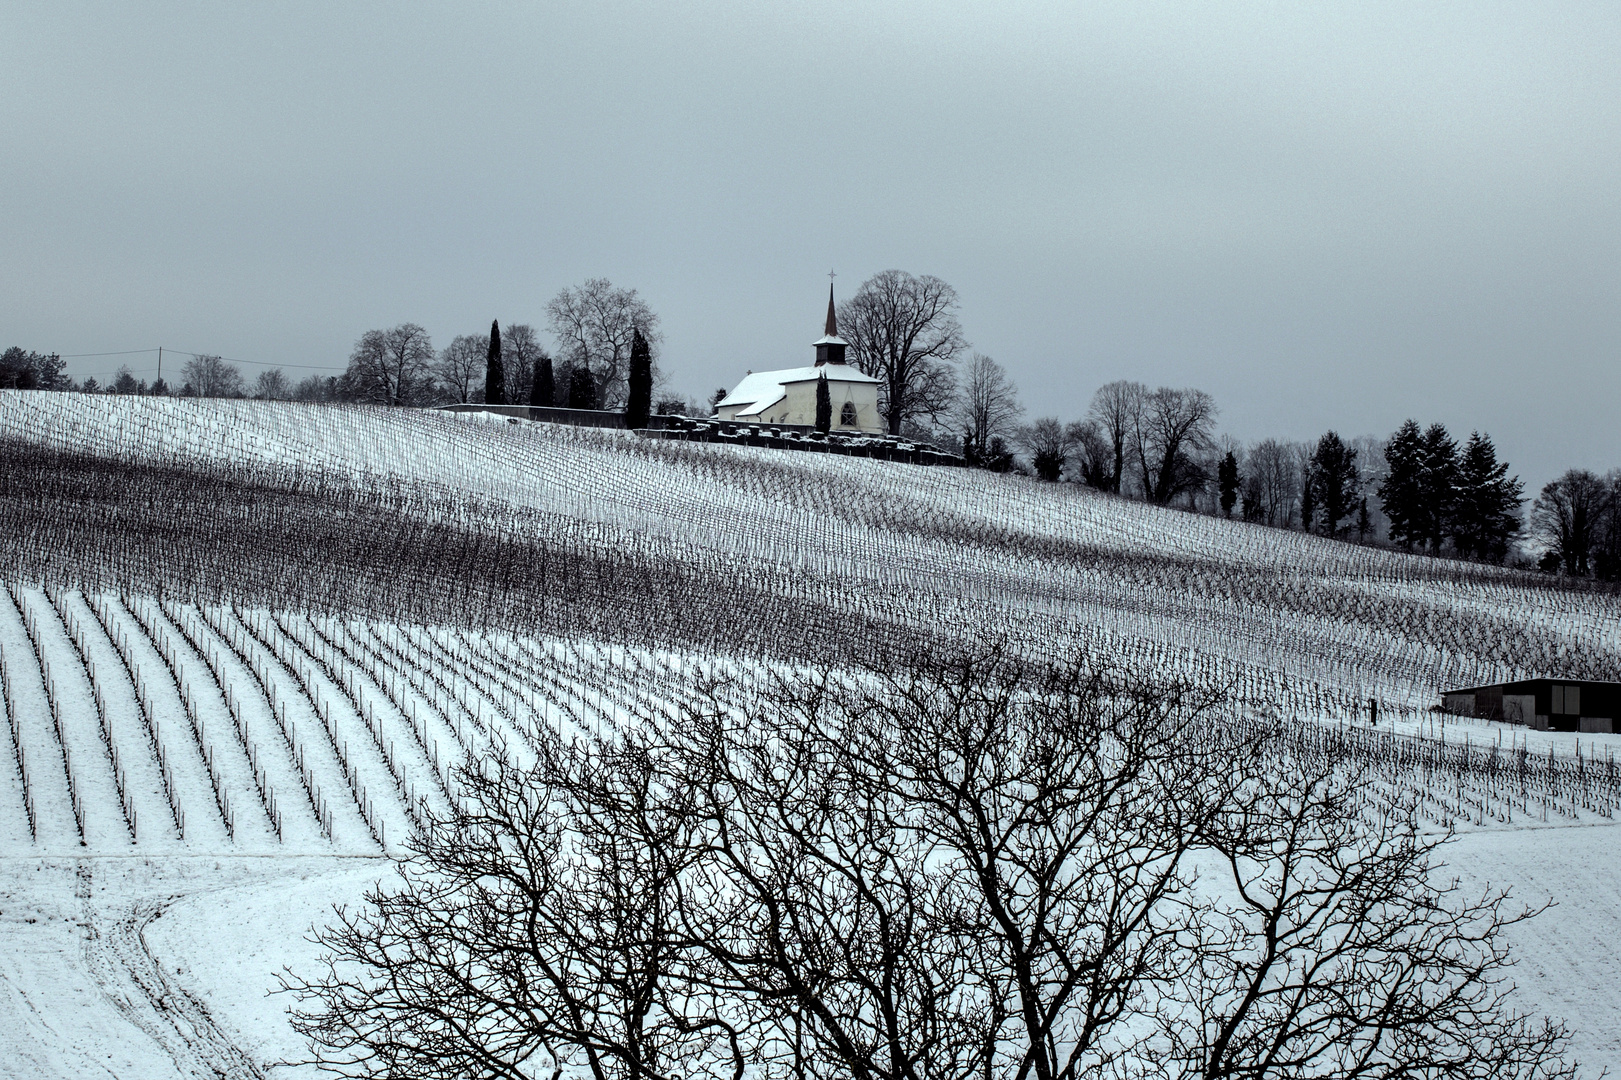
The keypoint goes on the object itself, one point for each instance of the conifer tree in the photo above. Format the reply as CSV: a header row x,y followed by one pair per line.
x,y
1487,511
1227,481
1399,492
495,376
582,388
1437,484
541,391
1363,525
1333,477
1308,502
824,405
639,388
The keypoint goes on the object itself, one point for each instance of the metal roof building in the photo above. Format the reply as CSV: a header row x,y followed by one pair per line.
x,y
1544,704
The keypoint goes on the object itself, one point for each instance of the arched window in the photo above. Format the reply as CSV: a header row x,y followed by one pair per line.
x,y
847,415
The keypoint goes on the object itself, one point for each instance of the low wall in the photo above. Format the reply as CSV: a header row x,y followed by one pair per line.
x,y
773,436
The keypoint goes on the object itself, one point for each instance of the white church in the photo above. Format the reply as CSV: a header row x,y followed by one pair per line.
x,y
789,396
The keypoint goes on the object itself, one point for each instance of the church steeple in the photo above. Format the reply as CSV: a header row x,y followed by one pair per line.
x,y
830,347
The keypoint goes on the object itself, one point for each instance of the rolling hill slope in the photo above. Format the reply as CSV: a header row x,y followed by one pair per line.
x,y
232,630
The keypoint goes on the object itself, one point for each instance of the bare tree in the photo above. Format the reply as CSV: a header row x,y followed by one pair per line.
x,y
958,868
987,406
522,348
210,376
1050,443
460,366
320,388
1094,452
1117,410
1569,514
1330,947
1175,431
903,331
1272,467
272,385
594,325
534,931
392,367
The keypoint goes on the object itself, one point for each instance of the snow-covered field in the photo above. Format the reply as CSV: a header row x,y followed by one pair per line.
x,y
244,644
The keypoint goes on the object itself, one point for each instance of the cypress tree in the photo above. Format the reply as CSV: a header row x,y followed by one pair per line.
x,y
1363,525
582,389
1399,491
1308,502
1228,483
495,376
639,396
824,405
541,391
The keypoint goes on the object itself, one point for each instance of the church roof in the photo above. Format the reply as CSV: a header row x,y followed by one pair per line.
x,y
763,389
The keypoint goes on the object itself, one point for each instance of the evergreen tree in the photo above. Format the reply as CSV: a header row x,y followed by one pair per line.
x,y
1308,502
1332,477
582,388
1363,525
824,405
1437,484
541,391
639,382
1399,492
1487,507
1227,481
495,376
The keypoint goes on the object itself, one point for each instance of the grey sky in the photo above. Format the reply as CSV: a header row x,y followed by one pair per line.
x,y
1325,215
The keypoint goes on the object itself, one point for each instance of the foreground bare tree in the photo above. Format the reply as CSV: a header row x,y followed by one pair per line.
x,y
1331,950
972,868
903,331
533,932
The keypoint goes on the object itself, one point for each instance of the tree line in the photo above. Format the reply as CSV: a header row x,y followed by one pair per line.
x,y
1156,444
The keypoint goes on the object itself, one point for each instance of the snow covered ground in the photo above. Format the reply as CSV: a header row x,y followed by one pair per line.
x,y
192,779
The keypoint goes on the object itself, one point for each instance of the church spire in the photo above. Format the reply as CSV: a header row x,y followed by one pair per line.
x,y
830,347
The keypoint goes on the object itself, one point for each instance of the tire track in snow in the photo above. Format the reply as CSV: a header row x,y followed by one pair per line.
x,y
124,969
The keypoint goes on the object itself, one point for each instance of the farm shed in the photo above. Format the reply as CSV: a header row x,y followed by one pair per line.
x,y
1544,704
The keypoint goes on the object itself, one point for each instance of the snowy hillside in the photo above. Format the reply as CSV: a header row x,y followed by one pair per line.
x,y
258,637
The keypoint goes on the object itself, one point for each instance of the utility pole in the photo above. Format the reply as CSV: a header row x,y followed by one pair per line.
x,y
160,363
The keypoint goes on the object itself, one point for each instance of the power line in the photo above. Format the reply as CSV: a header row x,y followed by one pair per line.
x,y
183,352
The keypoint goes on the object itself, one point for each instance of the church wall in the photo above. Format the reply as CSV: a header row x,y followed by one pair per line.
x,y
798,406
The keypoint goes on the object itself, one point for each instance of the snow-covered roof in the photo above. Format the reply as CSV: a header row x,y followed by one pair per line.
x,y
763,389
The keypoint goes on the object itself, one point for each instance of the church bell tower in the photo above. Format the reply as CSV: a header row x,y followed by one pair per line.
x,y
830,347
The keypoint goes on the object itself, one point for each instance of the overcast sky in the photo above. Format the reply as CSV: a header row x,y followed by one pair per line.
x,y
1326,215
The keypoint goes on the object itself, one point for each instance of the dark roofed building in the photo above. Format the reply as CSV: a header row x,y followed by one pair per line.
x,y
1544,704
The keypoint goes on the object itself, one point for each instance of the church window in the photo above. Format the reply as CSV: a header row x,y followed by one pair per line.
x,y
847,415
